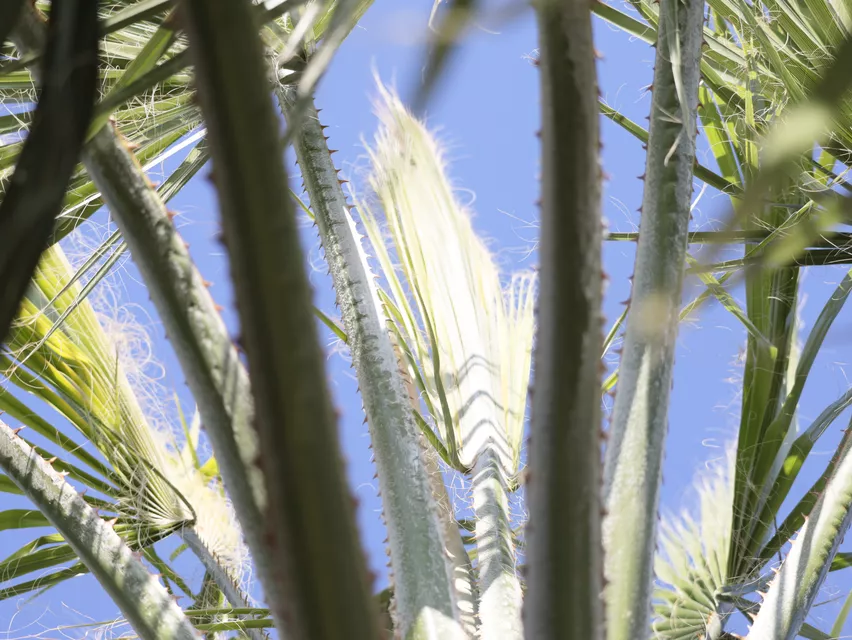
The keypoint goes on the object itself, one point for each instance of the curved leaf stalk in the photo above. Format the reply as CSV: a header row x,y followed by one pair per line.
x,y
320,587
142,599
208,358
792,592
564,555
418,557
633,462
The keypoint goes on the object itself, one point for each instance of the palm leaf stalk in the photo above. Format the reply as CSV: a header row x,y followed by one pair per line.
x,y
424,594
142,599
320,586
633,462
564,552
480,337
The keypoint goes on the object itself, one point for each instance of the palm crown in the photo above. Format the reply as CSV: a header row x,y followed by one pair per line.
x,y
441,341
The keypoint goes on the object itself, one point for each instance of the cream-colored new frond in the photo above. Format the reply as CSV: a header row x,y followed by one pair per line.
x,y
482,333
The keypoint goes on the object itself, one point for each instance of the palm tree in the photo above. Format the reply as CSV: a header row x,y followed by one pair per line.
x,y
441,344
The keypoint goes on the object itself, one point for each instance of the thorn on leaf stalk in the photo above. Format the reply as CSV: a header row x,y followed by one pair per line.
x,y
18,430
171,214
50,461
207,284
218,307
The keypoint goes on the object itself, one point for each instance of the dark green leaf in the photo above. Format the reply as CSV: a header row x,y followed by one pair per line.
x,y
37,188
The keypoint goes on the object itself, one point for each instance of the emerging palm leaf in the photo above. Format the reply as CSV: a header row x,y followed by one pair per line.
x,y
471,337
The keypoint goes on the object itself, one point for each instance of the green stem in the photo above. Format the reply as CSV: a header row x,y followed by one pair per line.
x,y
634,455
320,586
422,577
564,555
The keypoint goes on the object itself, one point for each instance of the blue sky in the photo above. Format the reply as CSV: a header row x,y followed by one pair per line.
x,y
486,113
